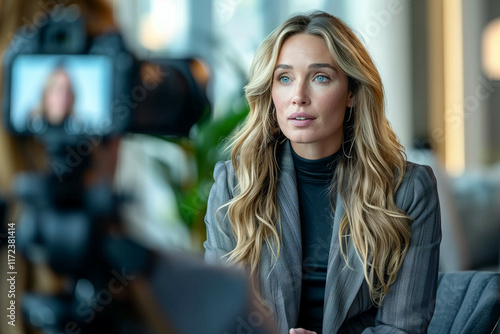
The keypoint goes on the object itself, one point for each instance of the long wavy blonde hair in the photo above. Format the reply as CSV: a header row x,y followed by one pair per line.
x,y
367,177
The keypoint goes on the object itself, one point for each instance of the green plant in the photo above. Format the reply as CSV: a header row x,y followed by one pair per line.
x,y
203,150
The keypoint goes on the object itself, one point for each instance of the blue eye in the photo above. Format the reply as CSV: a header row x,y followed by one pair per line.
x,y
284,79
321,78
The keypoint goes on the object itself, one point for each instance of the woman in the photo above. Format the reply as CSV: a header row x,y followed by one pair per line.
x,y
318,200
56,109
58,97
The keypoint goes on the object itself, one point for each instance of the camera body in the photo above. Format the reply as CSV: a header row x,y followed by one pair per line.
x,y
61,84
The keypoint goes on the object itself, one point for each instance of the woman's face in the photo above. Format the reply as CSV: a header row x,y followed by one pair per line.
x,y
58,98
310,93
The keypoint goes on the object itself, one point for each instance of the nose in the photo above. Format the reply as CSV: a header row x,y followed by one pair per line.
x,y
300,95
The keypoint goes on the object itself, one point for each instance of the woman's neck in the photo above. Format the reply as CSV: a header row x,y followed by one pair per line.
x,y
314,151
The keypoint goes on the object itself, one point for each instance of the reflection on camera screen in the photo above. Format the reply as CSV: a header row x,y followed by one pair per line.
x,y
54,93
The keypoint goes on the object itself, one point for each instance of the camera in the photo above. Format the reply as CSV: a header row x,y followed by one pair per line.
x,y
61,84
73,91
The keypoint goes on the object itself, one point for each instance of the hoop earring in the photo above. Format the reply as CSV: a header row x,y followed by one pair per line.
x,y
350,136
348,156
350,114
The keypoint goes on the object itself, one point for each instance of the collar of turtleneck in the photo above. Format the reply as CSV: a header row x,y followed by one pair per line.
x,y
315,171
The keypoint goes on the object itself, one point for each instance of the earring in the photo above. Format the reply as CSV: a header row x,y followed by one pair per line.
x,y
348,156
350,136
350,114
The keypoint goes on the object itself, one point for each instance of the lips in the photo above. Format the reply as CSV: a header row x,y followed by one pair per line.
x,y
301,119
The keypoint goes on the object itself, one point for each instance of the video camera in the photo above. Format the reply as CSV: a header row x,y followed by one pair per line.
x,y
58,81
73,91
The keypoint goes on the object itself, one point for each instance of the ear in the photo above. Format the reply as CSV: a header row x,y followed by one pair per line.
x,y
351,99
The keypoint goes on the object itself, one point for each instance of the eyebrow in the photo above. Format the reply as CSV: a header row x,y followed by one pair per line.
x,y
315,65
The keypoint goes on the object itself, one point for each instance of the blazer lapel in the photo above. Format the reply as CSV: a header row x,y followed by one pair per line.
x,y
283,280
342,281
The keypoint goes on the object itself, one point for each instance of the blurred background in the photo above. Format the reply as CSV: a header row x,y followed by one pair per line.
x,y
440,65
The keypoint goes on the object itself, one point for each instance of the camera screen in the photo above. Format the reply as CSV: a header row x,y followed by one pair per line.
x,y
70,93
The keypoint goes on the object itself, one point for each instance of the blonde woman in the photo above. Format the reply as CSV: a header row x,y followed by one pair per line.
x,y
58,97
318,202
57,104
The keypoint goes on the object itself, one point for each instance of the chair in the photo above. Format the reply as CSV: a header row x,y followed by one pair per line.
x,y
467,302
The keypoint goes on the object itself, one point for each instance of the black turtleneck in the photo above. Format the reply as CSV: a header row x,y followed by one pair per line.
x,y
316,215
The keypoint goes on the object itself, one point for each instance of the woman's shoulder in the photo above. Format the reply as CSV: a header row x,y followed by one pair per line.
x,y
420,174
225,175
415,170
418,181
224,168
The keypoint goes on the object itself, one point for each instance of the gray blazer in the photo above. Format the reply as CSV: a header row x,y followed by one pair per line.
x,y
409,305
